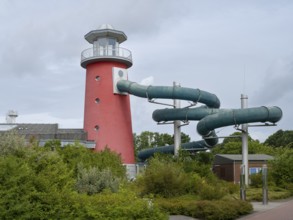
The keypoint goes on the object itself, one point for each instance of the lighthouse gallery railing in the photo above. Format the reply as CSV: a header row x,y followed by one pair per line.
x,y
106,52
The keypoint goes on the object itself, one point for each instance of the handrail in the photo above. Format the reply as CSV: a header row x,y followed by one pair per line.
x,y
117,52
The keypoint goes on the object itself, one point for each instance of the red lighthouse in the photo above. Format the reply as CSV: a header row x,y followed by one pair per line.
x,y
107,116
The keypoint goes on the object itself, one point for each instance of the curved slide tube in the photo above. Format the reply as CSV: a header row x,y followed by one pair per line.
x,y
209,116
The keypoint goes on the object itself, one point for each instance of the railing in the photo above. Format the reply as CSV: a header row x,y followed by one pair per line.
x,y
106,52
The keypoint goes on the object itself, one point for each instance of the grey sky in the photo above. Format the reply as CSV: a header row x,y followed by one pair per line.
x,y
224,47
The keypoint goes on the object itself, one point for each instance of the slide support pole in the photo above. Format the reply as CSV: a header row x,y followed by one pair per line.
x,y
177,123
244,128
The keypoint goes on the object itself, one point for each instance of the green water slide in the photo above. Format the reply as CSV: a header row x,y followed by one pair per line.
x,y
209,115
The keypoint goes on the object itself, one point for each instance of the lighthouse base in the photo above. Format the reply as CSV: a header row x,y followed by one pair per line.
x,y
131,171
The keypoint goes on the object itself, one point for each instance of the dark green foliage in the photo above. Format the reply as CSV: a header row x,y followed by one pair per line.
x,y
34,187
275,193
217,210
204,158
149,139
212,192
165,178
15,188
123,205
77,155
200,163
289,187
168,177
39,183
184,138
282,168
234,146
256,180
280,139
11,143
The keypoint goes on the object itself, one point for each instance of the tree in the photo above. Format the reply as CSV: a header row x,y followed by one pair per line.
x,y
35,187
76,155
11,143
280,139
149,139
184,138
234,146
165,177
39,183
282,169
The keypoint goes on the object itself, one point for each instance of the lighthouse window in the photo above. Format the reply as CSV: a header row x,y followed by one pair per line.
x,y
97,100
105,47
97,127
98,78
112,47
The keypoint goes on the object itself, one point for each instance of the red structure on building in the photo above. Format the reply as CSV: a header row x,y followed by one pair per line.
x,y
107,116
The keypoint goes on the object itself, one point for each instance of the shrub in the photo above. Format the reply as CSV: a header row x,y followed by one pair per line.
x,y
217,209
232,187
212,192
76,155
282,169
11,143
92,181
35,187
123,205
289,187
256,180
274,193
165,178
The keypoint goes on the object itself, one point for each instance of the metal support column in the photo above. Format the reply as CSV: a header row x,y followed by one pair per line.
x,y
177,129
244,128
265,185
242,183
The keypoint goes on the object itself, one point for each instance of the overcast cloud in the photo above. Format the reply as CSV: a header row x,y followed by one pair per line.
x,y
224,47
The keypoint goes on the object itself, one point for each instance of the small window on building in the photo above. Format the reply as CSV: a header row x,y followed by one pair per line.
x,y
97,127
254,170
98,78
97,100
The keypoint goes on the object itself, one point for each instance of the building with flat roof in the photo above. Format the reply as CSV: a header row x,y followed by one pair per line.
x,y
45,132
227,166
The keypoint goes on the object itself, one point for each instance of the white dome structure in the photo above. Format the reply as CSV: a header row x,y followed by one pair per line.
x,y
106,26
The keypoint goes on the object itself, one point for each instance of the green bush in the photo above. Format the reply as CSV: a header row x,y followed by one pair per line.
x,y
282,169
256,180
232,187
212,192
217,209
165,178
35,187
289,187
274,193
11,144
123,205
92,181
77,155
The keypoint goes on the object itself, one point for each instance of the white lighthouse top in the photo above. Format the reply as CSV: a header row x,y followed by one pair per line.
x,y
105,30
105,46
106,26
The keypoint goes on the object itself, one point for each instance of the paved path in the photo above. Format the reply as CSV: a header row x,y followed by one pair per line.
x,y
279,210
